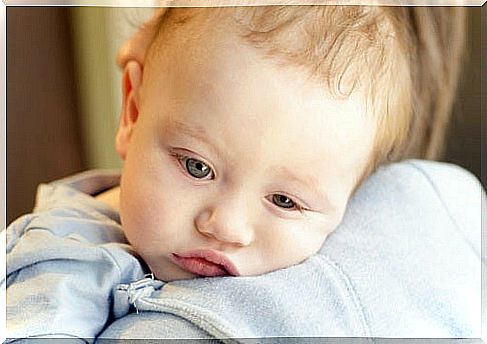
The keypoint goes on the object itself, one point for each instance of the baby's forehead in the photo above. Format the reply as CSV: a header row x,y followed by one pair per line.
x,y
345,48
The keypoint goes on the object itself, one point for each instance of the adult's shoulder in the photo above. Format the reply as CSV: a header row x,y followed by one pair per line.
x,y
418,194
410,247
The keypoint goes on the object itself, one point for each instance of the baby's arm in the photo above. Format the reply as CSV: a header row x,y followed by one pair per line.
x,y
61,273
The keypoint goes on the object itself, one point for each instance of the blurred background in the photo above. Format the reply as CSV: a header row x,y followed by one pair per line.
x,y
63,95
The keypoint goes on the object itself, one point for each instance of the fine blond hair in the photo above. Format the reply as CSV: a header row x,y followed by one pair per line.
x,y
406,59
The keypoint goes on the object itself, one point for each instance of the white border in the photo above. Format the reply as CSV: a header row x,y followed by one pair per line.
x,y
221,3
146,3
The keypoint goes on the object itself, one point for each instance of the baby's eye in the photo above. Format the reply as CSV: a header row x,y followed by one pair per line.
x,y
197,168
283,202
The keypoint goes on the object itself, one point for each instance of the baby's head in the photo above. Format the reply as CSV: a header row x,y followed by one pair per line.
x,y
250,128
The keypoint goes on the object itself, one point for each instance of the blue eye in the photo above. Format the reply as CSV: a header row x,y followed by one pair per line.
x,y
283,201
197,168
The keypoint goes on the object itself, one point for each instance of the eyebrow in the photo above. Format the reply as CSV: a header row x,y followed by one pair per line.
x,y
309,182
197,132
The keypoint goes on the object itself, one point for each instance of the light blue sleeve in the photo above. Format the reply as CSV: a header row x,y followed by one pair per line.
x,y
153,325
61,272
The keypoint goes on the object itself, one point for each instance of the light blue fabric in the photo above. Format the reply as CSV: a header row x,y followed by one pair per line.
x,y
405,262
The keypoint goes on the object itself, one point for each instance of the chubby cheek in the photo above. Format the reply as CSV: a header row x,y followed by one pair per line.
x,y
151,218
139,217
286,245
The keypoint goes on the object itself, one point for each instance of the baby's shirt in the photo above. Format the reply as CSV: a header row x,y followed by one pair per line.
x,y
405,262
64,260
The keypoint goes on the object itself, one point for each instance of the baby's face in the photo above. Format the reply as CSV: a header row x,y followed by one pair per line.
x,y
235,165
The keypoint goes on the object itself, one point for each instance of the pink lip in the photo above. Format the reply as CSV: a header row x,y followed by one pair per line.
x,y
208,263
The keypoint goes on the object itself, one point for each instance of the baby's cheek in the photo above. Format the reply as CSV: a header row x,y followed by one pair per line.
x,y
140,216
302,243
313,237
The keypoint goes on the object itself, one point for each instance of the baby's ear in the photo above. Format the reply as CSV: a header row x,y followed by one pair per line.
x,y
131,84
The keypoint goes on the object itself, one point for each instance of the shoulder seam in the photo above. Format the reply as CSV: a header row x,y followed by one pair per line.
x,y
353,293
444,205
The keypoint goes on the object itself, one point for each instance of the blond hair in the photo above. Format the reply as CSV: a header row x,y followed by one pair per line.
x,y
406,59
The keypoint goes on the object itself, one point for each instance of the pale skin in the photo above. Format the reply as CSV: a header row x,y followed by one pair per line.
x,y
232,153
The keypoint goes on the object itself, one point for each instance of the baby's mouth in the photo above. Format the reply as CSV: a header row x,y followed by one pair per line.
x,y
207,263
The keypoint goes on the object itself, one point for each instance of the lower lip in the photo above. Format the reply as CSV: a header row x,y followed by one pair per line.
x,y
200,266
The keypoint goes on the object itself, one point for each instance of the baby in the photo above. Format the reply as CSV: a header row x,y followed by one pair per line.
x,y
248,129
244,133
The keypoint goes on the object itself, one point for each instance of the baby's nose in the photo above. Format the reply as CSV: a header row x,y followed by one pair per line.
x,y
225,224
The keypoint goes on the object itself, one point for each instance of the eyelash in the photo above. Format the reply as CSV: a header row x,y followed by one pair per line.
x,y
182,160
297,205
